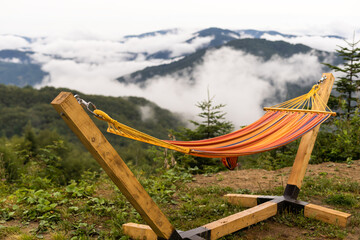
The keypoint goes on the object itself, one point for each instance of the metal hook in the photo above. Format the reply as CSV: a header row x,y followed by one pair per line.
x,y
322,79
88,105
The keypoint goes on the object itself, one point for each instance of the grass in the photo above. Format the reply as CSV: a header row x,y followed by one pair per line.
x,y
94,209
6,231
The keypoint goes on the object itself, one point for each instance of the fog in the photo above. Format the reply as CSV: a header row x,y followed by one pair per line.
x,y
12,42
239,80
318,42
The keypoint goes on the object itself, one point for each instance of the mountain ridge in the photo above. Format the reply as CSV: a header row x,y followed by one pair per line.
x,y
258,47
17,66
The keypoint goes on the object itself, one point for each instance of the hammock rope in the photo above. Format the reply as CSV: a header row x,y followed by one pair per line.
x,y
280,125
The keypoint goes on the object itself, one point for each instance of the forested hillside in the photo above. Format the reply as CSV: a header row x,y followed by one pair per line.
x,y
20,106
29,123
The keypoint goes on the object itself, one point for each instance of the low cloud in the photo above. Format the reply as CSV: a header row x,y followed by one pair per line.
x,y
12,42
100,51
321,43
89,78
239,80
147,113
10,60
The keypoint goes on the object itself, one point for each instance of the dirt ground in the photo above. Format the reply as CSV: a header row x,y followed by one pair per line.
x,y
259,179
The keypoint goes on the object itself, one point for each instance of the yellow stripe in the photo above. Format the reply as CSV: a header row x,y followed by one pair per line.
x,y
298,110
125,131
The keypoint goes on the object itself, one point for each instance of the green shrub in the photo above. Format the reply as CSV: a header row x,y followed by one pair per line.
x,y
10,165
342,199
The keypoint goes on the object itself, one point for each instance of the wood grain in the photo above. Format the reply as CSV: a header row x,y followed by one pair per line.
x,y
244,200
241,220
308,140
139,231
96,143
327,215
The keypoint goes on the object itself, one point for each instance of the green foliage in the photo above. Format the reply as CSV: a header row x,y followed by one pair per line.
x,y
162,188
41,206
339,141
19,106
79,190
319,230
81,210
342,199
100,206
10,164
81,229
43,155
272,160
212,124
348,85
5,231
29,146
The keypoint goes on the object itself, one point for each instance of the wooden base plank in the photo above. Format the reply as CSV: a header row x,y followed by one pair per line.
x,y
241,220
139,231
243,200
326,215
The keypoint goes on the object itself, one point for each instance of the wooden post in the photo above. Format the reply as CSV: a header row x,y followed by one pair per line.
x,y
81,124
307,144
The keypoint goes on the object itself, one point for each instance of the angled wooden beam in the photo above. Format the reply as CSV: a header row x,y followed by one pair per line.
x,y
81,124
307,144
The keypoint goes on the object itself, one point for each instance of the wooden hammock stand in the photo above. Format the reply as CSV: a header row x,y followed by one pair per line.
x,y
159,227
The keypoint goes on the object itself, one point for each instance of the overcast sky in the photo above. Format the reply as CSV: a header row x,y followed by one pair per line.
x,y
113,18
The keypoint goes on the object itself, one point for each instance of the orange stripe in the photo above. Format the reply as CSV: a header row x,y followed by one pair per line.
x,y
268,141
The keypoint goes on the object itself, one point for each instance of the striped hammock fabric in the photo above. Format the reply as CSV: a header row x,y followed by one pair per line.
x,y
273,130
280,125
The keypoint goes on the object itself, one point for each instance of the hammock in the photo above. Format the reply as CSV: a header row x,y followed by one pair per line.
x,y
280,125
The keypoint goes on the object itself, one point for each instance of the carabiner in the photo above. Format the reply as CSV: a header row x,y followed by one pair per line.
x,y
87,105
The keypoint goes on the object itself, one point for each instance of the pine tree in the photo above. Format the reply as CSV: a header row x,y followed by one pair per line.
x,y
213,122
348,84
